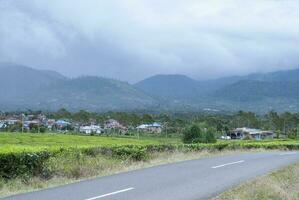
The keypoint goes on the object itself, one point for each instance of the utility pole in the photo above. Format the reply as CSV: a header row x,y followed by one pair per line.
x,y
284,126
22,120
166,129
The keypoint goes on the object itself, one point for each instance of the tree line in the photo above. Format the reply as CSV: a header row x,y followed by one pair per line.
x,y
283,124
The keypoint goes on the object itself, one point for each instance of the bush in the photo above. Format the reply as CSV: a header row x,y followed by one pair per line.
x,y
35,163
125,152
22,164
210,136
194,134
293,134
248,137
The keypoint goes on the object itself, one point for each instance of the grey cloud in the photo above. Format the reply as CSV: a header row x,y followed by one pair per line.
x,y
133,39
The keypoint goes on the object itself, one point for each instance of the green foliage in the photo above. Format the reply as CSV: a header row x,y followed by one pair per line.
x,y
146,118
195,134
27,155
210,136
23,164
248,137
293,133
15,127
192,134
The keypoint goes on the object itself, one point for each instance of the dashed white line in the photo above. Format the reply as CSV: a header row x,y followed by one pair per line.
x,y
232,163
109,194
288,153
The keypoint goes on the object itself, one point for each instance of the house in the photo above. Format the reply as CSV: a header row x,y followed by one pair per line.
x,y
257,134
111,123
151,128
62,125
29,117
50,123
11,121
2,124
90,129
112,126
27,124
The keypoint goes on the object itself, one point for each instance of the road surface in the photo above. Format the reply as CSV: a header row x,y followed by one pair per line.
x,y
189,180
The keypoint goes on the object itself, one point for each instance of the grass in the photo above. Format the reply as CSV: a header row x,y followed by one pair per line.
x,y
280,185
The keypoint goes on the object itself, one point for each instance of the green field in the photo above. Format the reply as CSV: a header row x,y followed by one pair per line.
x,y
27,142
28,153
11,142
39,158
67,140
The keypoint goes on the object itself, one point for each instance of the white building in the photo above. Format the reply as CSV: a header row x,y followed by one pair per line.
x,y
11,121
90,129
112,123
152,128
257,134
2,124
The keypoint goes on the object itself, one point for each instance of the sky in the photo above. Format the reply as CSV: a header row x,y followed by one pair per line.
x,y
131,40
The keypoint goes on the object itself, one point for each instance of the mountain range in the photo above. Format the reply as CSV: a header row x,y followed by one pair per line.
x,y
22,87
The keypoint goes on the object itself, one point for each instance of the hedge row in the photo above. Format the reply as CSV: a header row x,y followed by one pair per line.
x,y
23,164
34,163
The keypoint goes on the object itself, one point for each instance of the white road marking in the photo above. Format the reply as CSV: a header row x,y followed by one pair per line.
x,y
288,153
232,163
109,194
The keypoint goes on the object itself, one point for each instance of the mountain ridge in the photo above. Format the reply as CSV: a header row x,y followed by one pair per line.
x,y
25,87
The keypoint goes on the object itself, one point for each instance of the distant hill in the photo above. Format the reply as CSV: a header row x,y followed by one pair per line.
x,y
17,82
252,90
171,87
23,87
257,92
95,93
287,75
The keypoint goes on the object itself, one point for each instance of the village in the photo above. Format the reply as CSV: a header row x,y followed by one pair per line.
x,y
40,123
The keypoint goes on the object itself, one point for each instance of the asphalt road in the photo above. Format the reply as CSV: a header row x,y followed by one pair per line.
x,y
189,180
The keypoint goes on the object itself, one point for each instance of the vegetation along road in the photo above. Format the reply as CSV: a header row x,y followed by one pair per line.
x,y
197,179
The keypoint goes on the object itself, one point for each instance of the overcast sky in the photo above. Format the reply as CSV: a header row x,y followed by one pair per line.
x,y
133,39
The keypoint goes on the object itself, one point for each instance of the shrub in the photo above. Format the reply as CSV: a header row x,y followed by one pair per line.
x,y
192,134
293,134
22,164
248,137
195,134
17,163
210,136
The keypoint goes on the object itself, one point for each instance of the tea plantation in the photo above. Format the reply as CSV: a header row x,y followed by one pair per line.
x,y
27,154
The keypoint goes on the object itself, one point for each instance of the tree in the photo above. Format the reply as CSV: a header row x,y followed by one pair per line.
x,y
146,118
276,122
293,133
195,134
210,136
63,114
82,116
192,134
